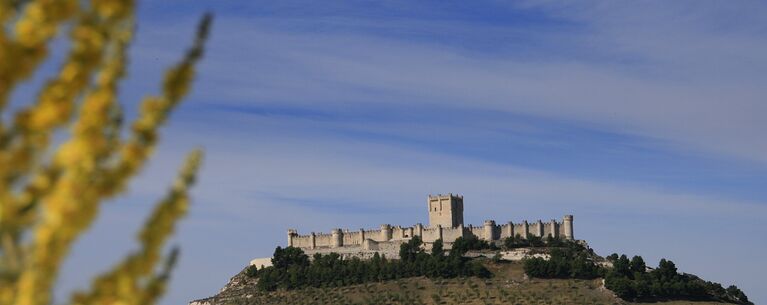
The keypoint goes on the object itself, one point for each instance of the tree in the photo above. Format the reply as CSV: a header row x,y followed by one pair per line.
x,y
737,294
666,268
563,263
437,248
612,257
516,241
621,286
292,270
642,285
621,266
50,195
463,244
552,241
290,256
630,281
637,265
535,241
410,250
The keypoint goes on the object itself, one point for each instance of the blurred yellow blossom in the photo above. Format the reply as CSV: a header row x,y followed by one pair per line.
x,y
48,197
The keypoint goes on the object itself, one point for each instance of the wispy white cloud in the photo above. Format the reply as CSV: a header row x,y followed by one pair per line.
x,y
700,90
686,78
260,183
255,185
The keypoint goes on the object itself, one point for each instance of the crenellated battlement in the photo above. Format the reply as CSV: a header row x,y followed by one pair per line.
x,y
447,224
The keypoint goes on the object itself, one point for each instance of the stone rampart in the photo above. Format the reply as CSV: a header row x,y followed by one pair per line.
x,y
489,231
446,216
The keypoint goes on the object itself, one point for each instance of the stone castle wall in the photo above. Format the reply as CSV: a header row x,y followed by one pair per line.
x,y
489,231
446,223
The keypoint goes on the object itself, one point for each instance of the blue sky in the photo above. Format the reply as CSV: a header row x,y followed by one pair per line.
x,y
646,120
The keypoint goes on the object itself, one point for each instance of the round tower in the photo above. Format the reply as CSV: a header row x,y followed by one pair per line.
x,y
385,232
525,229
568,223
489,229
553,229
338,238
291,233
313,241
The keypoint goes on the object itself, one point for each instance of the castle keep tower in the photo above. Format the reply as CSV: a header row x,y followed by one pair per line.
x,y
445,210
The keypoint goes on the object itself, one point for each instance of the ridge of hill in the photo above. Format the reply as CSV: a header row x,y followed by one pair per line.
x,y
508,285
472,272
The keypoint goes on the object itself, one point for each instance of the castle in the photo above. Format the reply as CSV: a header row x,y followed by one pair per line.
x,y
445,222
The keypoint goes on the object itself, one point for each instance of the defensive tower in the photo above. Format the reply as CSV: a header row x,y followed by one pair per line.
x,y
568,222
445,210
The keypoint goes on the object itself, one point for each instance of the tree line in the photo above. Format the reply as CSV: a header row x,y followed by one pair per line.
x,y
472,242
629,279
292,268
632,280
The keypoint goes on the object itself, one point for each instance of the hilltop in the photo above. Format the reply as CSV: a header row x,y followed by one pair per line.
x,y
508,285
472,272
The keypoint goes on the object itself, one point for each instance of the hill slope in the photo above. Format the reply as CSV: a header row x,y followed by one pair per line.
x,y
508,285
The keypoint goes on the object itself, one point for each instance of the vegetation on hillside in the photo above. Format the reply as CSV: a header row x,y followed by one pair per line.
x,y
631,280
569,261
292,269
471,242
516,241
628,279
508,285
65,152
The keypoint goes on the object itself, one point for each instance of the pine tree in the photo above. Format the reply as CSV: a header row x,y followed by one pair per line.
x,y
637,265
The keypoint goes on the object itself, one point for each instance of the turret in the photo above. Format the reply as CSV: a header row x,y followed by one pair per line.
x,y
385,232
525,229
291,233
511,229
539,229
567,221
489,229
338,238
419,230
553,229
313,240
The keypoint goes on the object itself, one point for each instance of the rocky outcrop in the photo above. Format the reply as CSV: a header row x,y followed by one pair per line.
x,y
240,287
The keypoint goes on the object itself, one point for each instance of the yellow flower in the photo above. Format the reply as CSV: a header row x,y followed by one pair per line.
x,y
48,199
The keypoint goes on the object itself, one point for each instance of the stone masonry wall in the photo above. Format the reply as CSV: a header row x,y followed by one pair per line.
x,y
489,231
